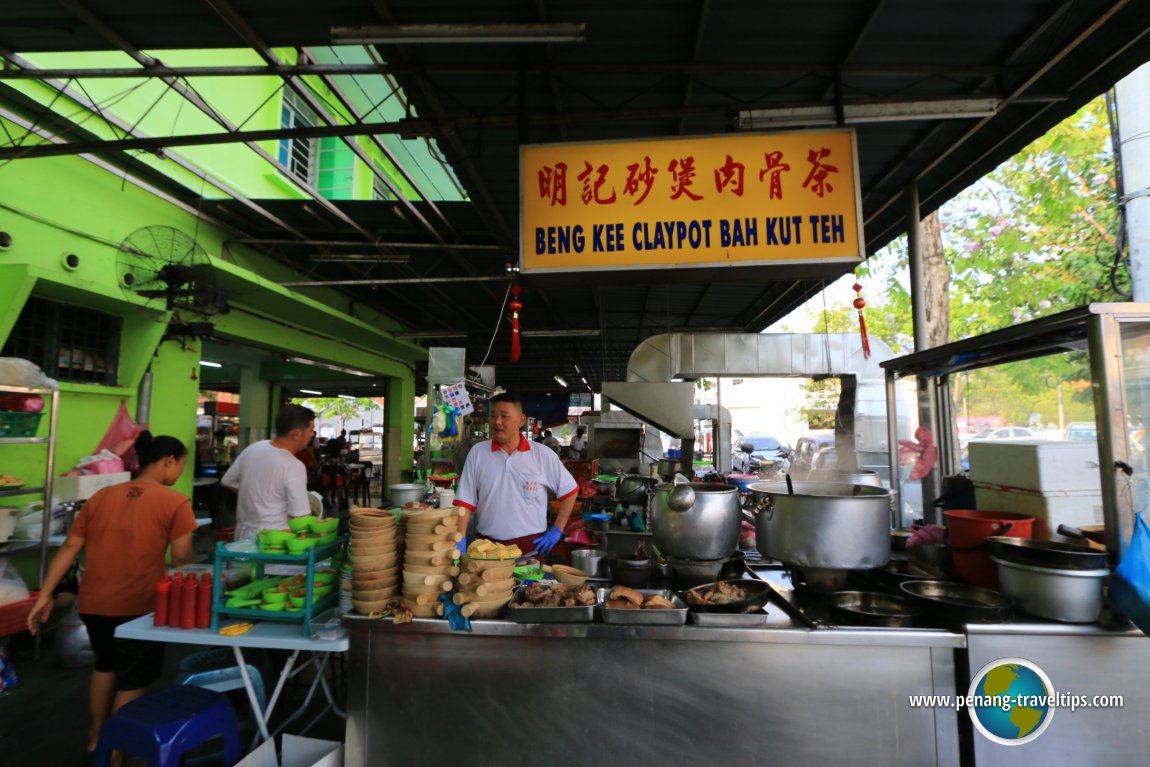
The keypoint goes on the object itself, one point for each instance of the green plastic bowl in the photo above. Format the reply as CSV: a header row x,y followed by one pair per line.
x,y
300,545
297,601
300,524
292,608
329,538
324,526
279,537
325,576
322,591
273,607
235,602
275,595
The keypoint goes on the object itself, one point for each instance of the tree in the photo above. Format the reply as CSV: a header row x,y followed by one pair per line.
x,y
337,407
1037,236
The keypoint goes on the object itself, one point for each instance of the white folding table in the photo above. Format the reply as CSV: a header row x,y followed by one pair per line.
x,y
267,635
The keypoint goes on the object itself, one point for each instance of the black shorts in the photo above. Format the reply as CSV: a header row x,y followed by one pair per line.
x,y
136,662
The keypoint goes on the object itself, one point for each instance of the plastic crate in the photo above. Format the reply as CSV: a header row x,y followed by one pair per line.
x,y
14,616
19,424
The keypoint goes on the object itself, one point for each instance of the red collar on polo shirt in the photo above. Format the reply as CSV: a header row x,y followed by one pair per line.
x,y
524,445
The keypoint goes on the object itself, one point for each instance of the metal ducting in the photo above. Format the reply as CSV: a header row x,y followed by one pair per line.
x,y
651,394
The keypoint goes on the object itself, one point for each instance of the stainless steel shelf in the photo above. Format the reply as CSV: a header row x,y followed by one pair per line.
x,y
25,440
8,549
15,491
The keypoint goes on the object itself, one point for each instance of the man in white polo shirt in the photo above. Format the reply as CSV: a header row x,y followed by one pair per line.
x,y
505,483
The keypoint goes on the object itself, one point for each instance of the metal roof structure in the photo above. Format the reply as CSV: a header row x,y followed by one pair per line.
x,y
939,94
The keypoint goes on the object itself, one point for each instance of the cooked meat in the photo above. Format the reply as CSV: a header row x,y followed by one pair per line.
x,y
557,595
718,594
622,592
658,602
621,604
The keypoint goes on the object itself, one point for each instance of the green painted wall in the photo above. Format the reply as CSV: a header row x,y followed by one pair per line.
x,y
53,207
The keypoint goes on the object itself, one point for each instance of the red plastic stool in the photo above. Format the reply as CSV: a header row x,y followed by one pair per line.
x,y
163,725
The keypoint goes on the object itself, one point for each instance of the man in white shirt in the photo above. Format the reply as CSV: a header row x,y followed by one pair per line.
x,y
270,480
505,484
579,443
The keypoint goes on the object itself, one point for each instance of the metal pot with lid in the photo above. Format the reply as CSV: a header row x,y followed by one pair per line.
x,y
696,520
823,524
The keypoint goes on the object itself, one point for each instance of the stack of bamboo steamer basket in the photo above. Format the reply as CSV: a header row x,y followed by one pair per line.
x,y
429,557
485,586
374,555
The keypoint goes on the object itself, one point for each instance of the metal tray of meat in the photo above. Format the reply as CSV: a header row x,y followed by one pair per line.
x,y
639,616
753,619
520,614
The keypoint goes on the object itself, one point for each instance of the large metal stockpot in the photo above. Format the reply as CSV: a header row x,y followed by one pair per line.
x,y
823,524
707,529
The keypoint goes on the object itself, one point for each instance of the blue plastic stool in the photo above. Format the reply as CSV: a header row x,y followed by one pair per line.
x,y
227,679
163,725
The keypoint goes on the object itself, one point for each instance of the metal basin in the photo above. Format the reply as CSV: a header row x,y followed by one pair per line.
x,y
706,529
401,495
823,524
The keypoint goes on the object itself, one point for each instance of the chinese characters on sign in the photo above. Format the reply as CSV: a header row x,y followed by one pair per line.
x,y
722,200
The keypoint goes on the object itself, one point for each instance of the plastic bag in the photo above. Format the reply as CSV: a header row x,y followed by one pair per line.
x,y
1130,586
12,586
120,438
8,678
17,372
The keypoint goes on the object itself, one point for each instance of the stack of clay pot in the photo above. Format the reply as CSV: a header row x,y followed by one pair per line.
x,y
374,556
429,557
485,586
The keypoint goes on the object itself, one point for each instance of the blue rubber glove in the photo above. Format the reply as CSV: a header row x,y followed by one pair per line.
x,y
547,541
461,548
454,615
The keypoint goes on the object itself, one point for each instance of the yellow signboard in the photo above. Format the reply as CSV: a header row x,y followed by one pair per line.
x,y
737,200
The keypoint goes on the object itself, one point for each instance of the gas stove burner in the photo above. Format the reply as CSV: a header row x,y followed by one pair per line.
x,y
688,573
818,580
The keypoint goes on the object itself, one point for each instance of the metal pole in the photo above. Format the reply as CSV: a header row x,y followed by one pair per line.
x,y
931,483
914,259
1134,127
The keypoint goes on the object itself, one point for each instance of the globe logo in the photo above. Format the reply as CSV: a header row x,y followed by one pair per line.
x,y
1010,701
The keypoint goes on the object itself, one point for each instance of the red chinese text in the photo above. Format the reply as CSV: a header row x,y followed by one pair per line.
x,y
774,168
730,175
637,175
817,179
683,175
553,183
592,189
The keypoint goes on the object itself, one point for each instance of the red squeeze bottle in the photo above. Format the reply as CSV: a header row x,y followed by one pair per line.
x,y
204,602
188,603
175,600
163,594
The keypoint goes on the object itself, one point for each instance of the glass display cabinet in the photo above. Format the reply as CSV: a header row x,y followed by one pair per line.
x,y
1107,345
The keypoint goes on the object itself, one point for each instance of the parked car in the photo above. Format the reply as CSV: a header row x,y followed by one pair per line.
x,y
765,448
1008,432
1081,431
813,450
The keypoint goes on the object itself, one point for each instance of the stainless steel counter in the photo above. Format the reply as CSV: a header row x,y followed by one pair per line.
x,y
596,694
1083,660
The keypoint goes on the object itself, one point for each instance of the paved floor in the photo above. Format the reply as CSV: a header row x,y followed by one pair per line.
x,y
44,719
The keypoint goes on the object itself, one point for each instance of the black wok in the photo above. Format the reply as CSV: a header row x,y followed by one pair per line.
x,y
1037,553
758,592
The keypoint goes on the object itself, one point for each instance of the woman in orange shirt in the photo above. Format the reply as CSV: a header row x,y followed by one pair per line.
x,y
125,531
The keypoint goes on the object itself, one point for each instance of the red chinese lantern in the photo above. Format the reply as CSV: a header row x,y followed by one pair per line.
x,y
516,305
859,303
